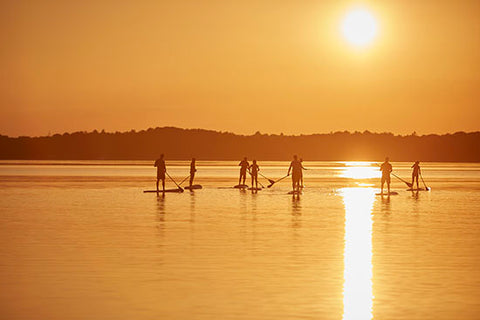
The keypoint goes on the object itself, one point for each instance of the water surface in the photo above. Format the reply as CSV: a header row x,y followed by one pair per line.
x,y
80,240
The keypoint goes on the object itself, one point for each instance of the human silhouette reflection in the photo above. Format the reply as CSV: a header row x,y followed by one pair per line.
x,y
192,206
415,195
161,213
385,205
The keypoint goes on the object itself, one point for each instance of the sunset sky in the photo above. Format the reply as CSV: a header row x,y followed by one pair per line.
x,y
242,66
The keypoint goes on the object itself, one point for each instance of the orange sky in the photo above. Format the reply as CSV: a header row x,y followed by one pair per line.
x,y
242,66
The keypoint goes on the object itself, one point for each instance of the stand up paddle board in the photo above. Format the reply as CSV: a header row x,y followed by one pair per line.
x,y
240,186
420,189
295,192
194,187
255,189
392,193
160,191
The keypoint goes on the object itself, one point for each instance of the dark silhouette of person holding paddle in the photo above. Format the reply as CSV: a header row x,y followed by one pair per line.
x,y
296,168
243,170
253,169
386,169
416,172
161,170
193,169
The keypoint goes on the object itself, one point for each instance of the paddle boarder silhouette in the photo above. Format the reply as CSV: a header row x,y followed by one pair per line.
x,y
243,170
296,168
161,170
254,168
415,172
386,169
193,169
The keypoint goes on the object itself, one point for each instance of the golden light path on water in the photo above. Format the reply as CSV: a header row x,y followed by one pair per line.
x,y
360,170
357,287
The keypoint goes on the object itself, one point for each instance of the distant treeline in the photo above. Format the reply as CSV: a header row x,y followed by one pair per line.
x,y
182,144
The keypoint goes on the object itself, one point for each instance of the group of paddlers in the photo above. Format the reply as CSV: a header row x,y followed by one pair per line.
x,y
296,169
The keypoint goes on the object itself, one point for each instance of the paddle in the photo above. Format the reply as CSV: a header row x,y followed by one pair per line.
x,y
426,188
269,180
184,180
393,174
271,184
180,188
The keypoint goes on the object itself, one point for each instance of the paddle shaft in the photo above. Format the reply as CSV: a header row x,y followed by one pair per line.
x,y
174,181
184,180
269,180
424,184
277,181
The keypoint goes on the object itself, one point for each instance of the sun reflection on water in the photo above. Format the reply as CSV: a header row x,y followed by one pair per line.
x,y
357,287
359,170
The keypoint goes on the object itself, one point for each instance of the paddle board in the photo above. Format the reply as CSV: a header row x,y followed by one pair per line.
x,y
255,189
160,191
240,186
295,192
392,193
421,189
194,187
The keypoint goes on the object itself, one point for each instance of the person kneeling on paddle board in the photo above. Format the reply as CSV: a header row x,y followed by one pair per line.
x,y
253,169
192,172
243,170
415,173
161,170
386,169
296,168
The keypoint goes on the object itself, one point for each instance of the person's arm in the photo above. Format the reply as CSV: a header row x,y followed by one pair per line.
x,y
289,168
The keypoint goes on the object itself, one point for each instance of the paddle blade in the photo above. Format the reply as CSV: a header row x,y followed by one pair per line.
x,y
271,184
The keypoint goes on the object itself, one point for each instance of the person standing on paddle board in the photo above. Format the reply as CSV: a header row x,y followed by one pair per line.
x,y
416,172
161,170
386,169
243,170
253,169
193,169
296,168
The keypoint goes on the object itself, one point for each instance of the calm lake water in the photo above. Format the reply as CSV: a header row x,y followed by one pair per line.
x,y
80,240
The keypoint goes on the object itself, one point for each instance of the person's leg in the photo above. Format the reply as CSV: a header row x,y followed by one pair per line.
x,y
192,176
418,187
256,181
163,184
157,183
413,179
388,185
383,182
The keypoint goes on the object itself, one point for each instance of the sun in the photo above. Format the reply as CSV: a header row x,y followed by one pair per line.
x,y
359,27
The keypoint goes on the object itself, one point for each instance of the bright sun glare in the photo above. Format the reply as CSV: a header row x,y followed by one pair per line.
x,y
359,27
